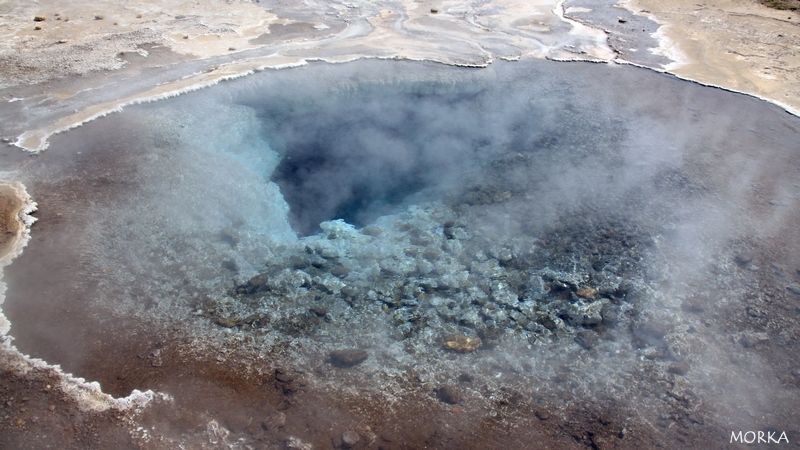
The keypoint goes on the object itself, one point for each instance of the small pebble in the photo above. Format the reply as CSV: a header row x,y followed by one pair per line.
x,y
285,375
679,368
744,258
274,421
372,231
340,271
347,357
586,339
349,292
350,438
448,394
258,280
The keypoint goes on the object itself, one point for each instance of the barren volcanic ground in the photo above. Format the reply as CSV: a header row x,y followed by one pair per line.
x,y
387,254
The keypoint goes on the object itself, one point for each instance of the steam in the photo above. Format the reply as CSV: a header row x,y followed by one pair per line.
x,y
355,157
520,156
535,178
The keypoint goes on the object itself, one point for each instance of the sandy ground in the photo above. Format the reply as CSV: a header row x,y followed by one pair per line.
x,y
734,44
74,39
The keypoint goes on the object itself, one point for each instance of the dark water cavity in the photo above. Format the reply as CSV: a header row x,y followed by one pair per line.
x,y
339,163
360,154
573,217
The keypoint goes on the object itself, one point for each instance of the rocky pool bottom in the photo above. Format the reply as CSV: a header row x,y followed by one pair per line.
x,y
575,255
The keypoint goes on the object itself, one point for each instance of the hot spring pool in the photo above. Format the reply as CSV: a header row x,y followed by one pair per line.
x,y
510,248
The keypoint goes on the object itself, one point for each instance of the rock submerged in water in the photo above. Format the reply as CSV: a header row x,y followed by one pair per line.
x,y
227,323
586,339
274,421
448,394
339,271
744,258
349,439
587,293
372,231
462,344
293,443
258,280
347,357
319,311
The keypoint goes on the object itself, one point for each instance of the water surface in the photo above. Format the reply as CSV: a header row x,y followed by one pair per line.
x,y
586,222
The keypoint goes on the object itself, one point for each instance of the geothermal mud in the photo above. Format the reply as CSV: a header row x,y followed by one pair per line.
x,y
399,255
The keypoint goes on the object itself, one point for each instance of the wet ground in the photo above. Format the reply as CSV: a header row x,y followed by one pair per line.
x,y
564,256
630,35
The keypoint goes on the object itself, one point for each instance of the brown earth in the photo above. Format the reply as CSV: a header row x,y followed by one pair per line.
x,y
10,205
738,45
